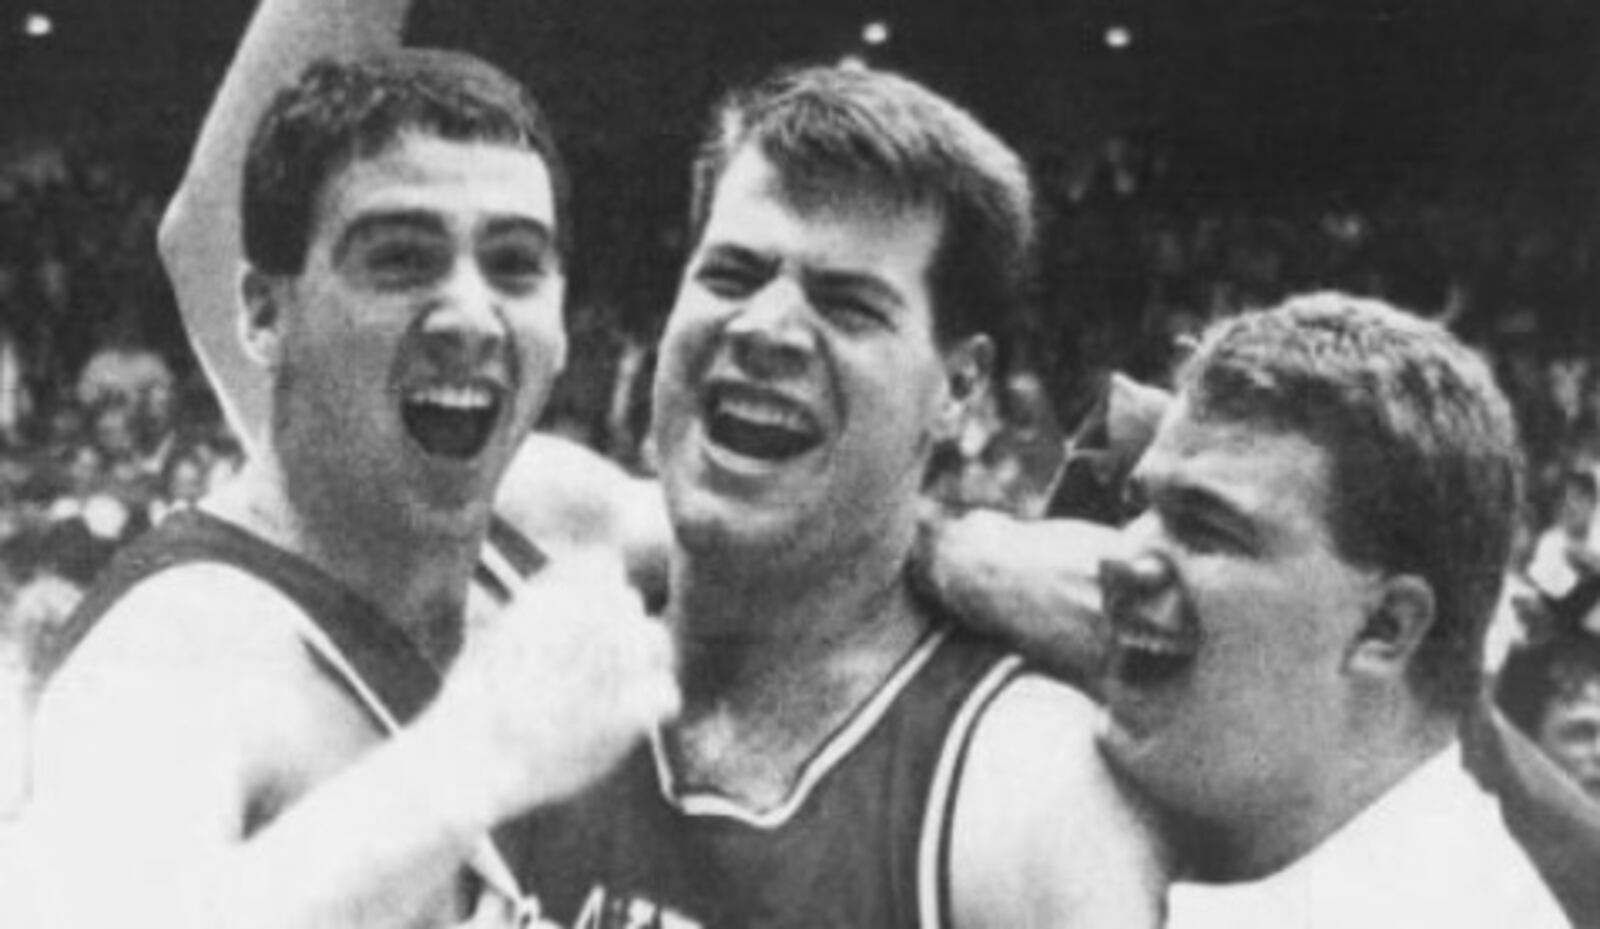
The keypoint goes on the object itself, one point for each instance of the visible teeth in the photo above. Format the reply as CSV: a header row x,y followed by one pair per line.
x,y
1155,644
763,414
454,398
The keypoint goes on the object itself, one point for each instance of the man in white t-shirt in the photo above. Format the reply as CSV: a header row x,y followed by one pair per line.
x,y
1296,620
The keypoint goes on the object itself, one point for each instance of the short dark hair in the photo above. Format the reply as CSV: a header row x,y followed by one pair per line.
x,y
342,110
1535,676
847,133
1426,471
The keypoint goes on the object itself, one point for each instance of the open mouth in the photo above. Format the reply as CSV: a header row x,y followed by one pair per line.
x,y
760,426
1145,660
1156,637
451,421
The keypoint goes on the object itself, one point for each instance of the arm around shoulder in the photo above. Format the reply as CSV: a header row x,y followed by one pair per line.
x,y
1033,584
1044,835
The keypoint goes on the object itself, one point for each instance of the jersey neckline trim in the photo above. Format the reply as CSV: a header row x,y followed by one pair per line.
x,y
829,754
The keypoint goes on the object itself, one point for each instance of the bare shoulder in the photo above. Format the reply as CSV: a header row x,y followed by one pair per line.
x,y
193,699
1044,834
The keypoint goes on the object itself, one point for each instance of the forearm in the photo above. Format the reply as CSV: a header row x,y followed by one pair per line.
x,y
1034,584
380,844
383,845
200,239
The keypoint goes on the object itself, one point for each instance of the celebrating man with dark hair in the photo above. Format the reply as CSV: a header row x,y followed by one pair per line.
x,y
277,714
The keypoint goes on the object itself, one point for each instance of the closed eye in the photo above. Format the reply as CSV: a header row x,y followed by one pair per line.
x,y
1201,522
851,312
727,279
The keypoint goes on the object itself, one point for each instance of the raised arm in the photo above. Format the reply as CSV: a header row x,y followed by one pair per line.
x,y
200,233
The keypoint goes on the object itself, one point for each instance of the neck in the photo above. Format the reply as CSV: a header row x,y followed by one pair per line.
x,y
1355,777
416,578
771,670
740,616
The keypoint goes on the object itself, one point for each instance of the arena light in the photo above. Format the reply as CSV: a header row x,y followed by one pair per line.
x,y
1119,37
875,32
37,25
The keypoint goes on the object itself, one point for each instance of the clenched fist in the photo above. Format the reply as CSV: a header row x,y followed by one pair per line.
x,y
551,692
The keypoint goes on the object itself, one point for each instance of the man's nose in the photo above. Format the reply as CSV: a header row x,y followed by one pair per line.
x,y
772,334
1135,574
1137,568
466,316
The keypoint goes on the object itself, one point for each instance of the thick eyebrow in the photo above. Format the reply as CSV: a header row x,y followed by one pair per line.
x,y
1190,498
832,279
423,222
738,254
366,225
500,226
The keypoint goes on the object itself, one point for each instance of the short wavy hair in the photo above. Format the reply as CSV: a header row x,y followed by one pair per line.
x,y
849,134
1426,469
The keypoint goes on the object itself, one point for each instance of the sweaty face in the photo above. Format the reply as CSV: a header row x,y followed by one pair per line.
x,y
1570,733
799,378
1232,616
423,335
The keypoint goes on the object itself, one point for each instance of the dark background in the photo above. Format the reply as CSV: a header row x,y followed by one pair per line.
x,y
1492,102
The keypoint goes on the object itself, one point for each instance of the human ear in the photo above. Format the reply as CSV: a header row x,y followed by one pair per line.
x,y
1396,624
262,296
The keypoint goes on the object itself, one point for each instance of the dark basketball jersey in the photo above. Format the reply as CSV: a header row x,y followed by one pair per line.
x,y
369,656
861,841
378,650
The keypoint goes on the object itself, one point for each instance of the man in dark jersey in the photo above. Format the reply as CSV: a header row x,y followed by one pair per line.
x,y
847,755
279,715
1035,583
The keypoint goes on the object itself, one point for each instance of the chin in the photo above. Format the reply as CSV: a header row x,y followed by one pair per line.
x,y
711,527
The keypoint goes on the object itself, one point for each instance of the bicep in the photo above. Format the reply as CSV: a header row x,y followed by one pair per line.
x,y
162,726
1042,834
141,757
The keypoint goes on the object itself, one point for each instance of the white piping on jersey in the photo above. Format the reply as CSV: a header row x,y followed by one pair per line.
x,y
486,858
500,567
941,796
833,750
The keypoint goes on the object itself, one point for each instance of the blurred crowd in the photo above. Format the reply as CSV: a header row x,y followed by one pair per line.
x,y
107,425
